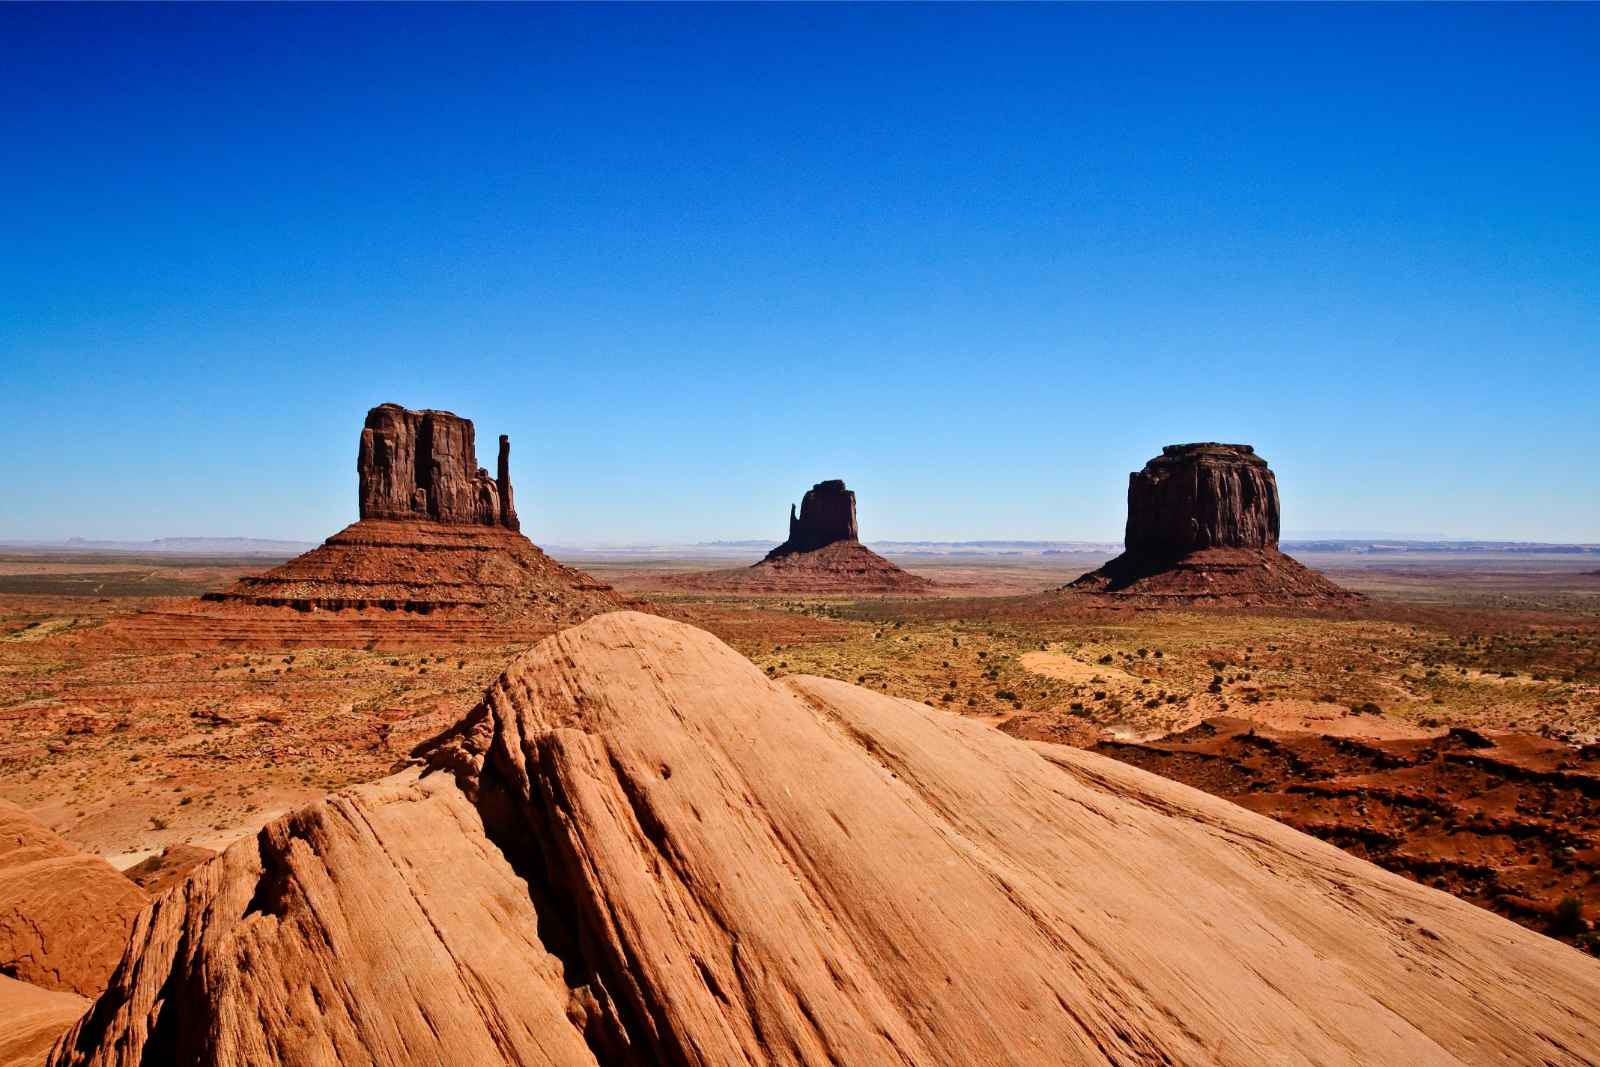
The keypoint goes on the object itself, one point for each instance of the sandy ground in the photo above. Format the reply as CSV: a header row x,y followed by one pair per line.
x,y
126,750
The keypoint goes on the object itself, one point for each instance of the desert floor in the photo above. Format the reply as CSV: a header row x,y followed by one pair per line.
x,y
1345,716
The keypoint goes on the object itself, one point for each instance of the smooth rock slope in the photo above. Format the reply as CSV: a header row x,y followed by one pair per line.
x,y
30,1020
64,914
640,850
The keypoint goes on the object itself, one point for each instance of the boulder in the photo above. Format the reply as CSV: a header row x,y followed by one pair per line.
x,y
170,866
64,914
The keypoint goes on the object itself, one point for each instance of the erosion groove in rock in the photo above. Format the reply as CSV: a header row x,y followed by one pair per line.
x,y
1203,524
64,914
639,849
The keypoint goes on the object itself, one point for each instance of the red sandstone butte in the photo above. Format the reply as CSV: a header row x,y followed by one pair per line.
x,y
1203,524
436,557
823,555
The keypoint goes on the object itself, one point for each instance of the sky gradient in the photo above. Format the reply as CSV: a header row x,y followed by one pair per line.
x,y
980,262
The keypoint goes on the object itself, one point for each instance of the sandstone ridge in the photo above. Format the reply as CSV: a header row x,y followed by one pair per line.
x,y
1203,524
638,849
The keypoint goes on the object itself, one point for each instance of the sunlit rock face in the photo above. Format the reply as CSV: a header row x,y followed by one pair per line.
x,y
424,465
1199,496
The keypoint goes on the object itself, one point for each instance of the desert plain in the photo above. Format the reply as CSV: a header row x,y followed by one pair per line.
x,y
127,749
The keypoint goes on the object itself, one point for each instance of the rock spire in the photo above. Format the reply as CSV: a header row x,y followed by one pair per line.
x,y
424,465
827,515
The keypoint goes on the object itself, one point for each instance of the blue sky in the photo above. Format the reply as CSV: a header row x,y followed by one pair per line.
x,y
981,262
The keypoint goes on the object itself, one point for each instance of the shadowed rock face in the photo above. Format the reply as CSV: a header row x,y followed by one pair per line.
x,y
1198,496
1203,526
827,515
424,465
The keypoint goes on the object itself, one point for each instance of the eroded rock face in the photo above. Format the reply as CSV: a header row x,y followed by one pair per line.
x,y
827,515
1198,496
638,849
1203,526
424,465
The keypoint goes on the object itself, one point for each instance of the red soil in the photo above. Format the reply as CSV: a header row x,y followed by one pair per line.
x,y
1508,821
1237,576
841,567
389,584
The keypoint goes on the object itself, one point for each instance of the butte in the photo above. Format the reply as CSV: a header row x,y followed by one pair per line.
x,y
437,556
1203,525
823,555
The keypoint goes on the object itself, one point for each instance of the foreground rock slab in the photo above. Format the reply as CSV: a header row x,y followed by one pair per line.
x,y
639,849
31,1019
64,914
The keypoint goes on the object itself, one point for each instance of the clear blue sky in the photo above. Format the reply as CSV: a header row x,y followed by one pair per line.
x,y
981,262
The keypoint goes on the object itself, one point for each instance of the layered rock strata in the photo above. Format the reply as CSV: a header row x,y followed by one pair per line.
x,y
1203,523
640,850
437,537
